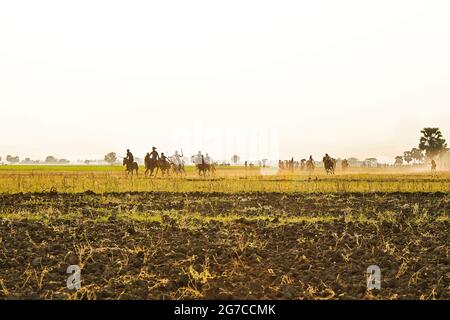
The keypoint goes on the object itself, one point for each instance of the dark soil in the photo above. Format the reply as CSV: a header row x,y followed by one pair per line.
x,y
264,254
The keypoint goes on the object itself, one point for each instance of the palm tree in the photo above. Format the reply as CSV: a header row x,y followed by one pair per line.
x,y
432,142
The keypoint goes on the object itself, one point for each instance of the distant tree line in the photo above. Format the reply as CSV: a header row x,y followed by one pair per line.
x,y
431,145
48,160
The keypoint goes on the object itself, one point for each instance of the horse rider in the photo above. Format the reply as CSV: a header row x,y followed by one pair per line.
x,y
176,159
208,159
147,158
129,157
198,159
154,156
163,158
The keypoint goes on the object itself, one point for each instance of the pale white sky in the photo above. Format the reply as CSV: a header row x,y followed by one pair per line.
x,y
351,78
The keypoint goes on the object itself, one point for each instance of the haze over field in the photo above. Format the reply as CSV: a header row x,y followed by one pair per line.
x,y
351,78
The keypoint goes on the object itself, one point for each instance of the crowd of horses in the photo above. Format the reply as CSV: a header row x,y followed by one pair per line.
x,y
309,165
166,167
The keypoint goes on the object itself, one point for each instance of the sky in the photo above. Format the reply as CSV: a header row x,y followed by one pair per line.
x,y
262,79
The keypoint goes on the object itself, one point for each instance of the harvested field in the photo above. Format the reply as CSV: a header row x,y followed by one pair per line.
x,y
159,245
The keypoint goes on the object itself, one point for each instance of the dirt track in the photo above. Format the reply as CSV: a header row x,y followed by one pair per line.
x,y
217,246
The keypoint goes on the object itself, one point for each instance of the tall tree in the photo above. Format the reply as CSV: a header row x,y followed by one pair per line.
x,y
432,142
417,155
407,156
111,157
51,159
399,160
12,159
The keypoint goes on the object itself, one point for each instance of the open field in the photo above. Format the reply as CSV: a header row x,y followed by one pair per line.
x,y
237,235
100,179
266,245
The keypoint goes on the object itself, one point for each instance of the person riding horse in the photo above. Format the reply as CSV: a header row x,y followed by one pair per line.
x,y
177,162
208,160
154,156
310,164
164,164
154,161
151,161
345,164
131,165
203,163
130,156
329,164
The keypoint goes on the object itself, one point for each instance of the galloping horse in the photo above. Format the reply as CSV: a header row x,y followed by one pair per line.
x,y
330,165
178,169
164,166
345,165
205,167
131,167
310,165
151,165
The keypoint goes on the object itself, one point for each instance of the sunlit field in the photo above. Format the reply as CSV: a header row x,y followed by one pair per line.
x,y
238,234
104,179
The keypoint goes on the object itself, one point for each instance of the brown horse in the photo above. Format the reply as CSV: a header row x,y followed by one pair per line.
x,y
164,166
205,167
310,165
345,165
329,164
178,169
131,167
159,165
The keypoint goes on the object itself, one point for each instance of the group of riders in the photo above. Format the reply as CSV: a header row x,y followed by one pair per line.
x,y
155,162
309,164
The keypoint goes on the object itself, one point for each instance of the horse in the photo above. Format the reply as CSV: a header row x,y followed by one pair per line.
x,y
329,164
151,165
205,167
310,165
178,169
164,166
345,165
131,167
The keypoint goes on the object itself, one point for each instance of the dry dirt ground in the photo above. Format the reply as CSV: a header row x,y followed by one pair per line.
x,y
225,246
